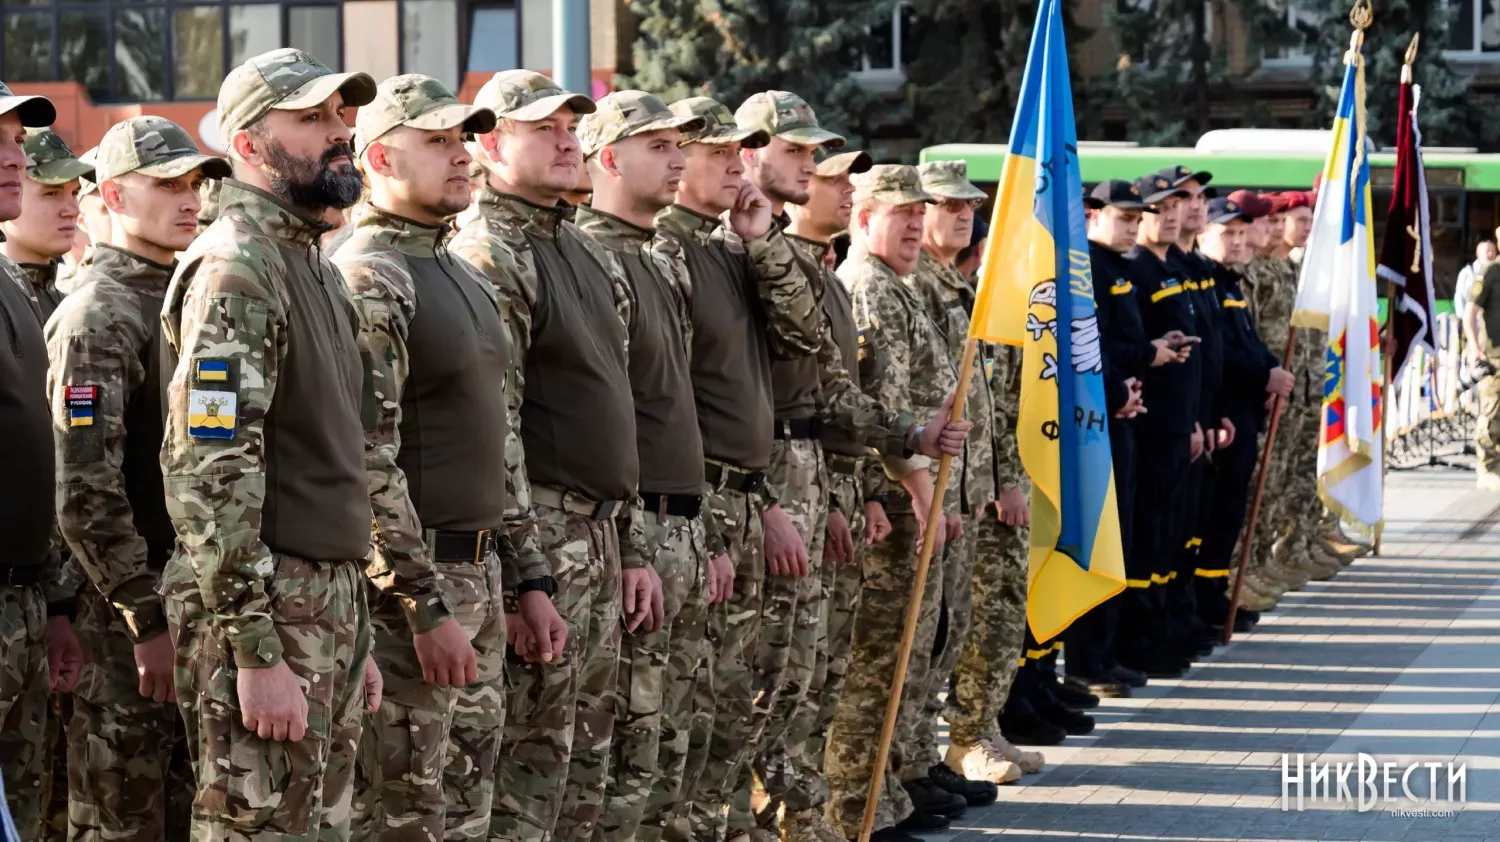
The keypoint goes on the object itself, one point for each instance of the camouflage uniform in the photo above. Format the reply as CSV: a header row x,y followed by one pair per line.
x,y
1272,291
659,670
430,330
265,485
1304,519
560,717
905,361
52,164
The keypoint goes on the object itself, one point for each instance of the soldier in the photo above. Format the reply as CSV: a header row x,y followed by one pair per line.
x,y
93,226
904,361
263,465
986,567
43,234
559,289
440,480
40,652
1252,375
751,301
1481,321
1169,438
126,775
630,145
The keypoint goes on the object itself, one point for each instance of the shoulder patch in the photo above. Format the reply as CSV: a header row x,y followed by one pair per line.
x,y
83,440
211,414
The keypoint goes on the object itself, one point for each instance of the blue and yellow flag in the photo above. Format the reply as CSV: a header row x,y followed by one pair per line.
x,y
1037,238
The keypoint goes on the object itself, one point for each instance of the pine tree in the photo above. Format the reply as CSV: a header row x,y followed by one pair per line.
x,y
731,49
1447,116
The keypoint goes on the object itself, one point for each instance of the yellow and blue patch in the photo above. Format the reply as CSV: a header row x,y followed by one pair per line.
x,y
82,400
211,414
210,371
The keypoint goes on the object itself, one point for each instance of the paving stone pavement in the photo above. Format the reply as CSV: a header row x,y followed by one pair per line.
x,y
1397,657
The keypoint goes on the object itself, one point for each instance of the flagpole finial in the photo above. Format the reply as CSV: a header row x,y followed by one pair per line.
x,y
1411,51
1362,15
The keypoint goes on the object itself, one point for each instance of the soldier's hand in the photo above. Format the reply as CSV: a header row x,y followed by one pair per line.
x,y
720,579
1135,404
374,685
1013,508
154,662
751,215
64,655
940,435
658,616
877,525
272,703
545,627
446,655
1165,353
786,555
1195,443
840,542
954,524
635,596
1226,433
1280,382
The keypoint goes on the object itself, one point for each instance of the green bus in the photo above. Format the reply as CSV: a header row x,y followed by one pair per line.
x,y
1463,185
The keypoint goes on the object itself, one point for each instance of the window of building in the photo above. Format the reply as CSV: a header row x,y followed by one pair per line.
x,y
1474,28
429,39
152,50
494,37
1302,24
890,46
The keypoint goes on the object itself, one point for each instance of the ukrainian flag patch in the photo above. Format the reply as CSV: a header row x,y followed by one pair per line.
x,y
211,414
210,371
81,403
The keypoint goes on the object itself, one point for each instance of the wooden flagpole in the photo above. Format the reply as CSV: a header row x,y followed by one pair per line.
x,y
914,602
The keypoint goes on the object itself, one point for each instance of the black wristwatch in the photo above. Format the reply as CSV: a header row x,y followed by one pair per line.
x,y
545,584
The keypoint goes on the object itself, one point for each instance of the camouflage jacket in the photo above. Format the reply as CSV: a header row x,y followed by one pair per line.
x,y
1271,295
42,278
102,351
386,288
495,243
866,417
903,356
70,273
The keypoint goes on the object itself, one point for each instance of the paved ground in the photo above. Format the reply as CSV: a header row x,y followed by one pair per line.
x,y
1398,657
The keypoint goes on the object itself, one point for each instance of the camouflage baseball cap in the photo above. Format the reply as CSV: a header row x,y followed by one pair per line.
x,y
718,124
34,111
830,165
894,184
625,114
949,180
153,146
52,162
285,79
420,102
787,116
89,184
527,95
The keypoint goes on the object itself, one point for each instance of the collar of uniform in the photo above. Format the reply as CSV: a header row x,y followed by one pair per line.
x,y
871,263
688,222
127,267
815,248
39,274
611,230
943,272
536,219
269,213
408,236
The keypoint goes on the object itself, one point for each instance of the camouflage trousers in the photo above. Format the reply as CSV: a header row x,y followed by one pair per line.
x,y
725,734
656,688
1276,511
879,621
129,778
55,780
917,749
23,705
427,758
257,790
1487,431
792,636
559,717
989,653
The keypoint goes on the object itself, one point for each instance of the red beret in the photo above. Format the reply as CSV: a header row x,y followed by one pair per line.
x,y
1251,203
1296,199
1277,201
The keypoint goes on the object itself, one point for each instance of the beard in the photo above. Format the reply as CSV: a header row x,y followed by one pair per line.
x,y
448,206
310,183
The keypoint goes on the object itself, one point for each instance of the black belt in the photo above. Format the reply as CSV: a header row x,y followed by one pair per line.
x,y
723,477
797,428
21,577
678,505
462,547
843,464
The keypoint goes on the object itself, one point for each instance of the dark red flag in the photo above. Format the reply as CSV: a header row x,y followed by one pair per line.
x,y
1406,247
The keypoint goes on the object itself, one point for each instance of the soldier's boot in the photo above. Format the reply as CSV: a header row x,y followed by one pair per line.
x,y
1486,480
1336,542
1318,568
984,762
1256,596
808,826
1030,762
1277,571
1256,579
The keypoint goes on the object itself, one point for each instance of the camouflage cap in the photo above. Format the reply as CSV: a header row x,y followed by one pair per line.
x,y
718,124
52,162
208,196
153,146
34,111
949,180
420,102
89,184
893,184
625,114
787,116
528,96
830,165
285,79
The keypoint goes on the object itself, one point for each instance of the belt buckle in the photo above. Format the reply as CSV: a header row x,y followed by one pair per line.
x,y
606,509
481,543
754,482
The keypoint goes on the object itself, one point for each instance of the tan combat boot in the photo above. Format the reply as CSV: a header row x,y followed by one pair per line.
x,y
1318,567
1254,598
982,762
808,826
1030,762
1277,571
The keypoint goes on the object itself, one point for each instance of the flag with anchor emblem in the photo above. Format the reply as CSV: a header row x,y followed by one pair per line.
x,y
1036,291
